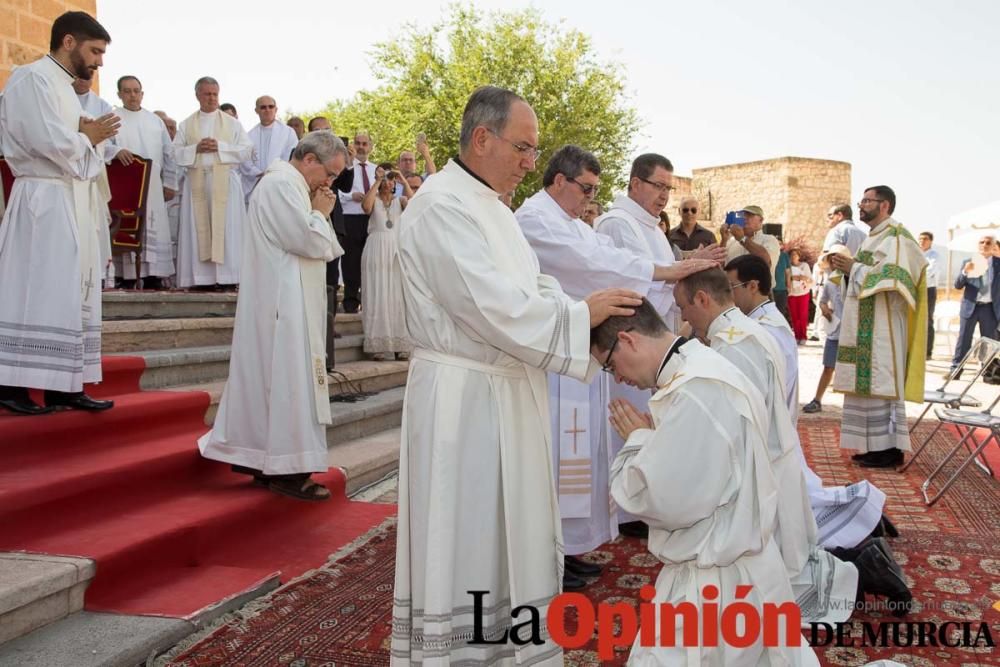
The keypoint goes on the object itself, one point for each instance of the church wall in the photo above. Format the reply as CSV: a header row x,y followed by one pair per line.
x,y
25,28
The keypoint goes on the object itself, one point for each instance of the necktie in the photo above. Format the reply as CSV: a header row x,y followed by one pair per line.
x,y
364,176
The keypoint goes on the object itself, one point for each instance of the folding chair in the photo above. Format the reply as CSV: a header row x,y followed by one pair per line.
x,y
971,421
984,351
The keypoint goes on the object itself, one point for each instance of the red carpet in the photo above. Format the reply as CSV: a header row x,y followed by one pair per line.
x,y
171,532
951,555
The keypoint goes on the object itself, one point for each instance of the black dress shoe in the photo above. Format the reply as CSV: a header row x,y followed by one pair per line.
x,y
571,582
634,529
581,568
880,574
860,457
24,406
888,458
889,527
76,401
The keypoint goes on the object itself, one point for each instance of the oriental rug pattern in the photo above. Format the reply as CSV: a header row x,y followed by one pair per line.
x,y
340,615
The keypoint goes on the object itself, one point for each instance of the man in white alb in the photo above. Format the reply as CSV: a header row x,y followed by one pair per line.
x,y
583,262
144,134
477,506
272,140
174,204
210,145
632,223
845,515
276,404
825,586
96,106
50,265
715,528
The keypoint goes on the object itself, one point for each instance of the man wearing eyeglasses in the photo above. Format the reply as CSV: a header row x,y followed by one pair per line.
x,y
583,262
477,505
707,303
272,140
632,223
979,281
689,235
883,334
700,476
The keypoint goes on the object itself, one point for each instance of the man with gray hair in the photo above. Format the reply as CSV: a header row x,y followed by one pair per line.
x,y
272,419
210,146
583,261
479,533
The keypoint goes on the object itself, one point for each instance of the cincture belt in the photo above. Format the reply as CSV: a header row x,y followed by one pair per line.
x,y
469,364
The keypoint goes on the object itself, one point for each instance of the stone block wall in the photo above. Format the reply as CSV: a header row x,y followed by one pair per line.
x,y
25,28
794,192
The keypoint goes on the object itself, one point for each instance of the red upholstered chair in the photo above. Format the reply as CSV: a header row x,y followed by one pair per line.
x,y
129,194
7,178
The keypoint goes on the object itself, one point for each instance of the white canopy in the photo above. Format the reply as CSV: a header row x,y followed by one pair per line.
x,y
965,229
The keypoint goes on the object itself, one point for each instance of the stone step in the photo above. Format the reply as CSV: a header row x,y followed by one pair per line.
x,y
140,305
136,336
368,459
350,421
194,365
37,589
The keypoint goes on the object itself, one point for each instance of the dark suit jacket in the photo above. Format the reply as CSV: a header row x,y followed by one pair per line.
x,y
342,183
972,285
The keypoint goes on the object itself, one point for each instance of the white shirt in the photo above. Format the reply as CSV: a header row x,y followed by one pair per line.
x,y
352,207
932,267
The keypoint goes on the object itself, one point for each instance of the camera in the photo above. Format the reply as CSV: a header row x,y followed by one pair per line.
x,y
735,218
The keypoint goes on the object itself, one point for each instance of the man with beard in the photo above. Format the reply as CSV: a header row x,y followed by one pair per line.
x,y
50,314
883,334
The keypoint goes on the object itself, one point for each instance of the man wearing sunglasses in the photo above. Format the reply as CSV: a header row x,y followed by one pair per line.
x,y
689,235
583,262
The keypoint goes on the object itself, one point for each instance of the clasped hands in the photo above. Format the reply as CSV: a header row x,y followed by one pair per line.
x,y
626,419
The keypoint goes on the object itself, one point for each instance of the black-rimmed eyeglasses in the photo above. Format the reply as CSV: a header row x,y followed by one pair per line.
x,y
662,187
607,367
585,188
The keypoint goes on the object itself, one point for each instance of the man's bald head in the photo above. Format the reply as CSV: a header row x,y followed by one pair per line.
x,y
266,109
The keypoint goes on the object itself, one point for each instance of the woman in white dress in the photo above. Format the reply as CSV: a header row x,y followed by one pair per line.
x,y
382,311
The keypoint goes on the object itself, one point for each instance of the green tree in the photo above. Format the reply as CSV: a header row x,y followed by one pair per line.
x,y
426,79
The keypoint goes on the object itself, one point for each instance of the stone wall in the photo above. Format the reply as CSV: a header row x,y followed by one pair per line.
x,y
25,29
794,192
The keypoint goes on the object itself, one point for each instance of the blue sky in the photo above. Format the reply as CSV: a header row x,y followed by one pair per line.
x,y
907,92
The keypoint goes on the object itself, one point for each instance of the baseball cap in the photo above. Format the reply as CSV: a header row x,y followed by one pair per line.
x,y
753,210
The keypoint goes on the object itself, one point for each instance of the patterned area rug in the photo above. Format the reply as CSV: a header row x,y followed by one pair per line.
x,y
340,614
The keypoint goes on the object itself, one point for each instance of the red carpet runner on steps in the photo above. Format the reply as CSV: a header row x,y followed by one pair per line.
x,y
171,532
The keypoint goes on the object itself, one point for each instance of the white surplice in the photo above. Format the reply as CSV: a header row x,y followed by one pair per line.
x,y
845,515
276,404
274,142
144,134
825,587
583,262
234,148
633,228
707,529
50,267
96,106
477,503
